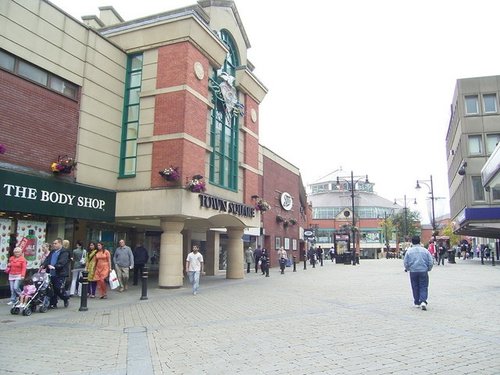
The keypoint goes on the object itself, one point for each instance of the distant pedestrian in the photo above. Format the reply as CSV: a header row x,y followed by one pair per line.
x,y
124,261
79,256
256,255
16,268
102,269
141,257
332,253
249,258
418,261
194,268
90,264
264,262
282,258
442,250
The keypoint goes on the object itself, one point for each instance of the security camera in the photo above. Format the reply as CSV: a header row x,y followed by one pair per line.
x,y
461,171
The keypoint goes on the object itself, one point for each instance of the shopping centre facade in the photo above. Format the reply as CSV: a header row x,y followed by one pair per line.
x,y
145,108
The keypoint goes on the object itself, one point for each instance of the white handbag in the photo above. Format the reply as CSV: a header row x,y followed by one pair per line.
x,y
113,280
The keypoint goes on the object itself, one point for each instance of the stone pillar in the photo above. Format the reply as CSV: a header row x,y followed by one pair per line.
x,y
171,263
211,259
235,254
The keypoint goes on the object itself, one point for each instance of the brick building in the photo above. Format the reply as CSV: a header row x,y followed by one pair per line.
x,y
130,102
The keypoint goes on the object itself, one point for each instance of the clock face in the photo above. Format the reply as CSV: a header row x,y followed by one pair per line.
x,y
286,201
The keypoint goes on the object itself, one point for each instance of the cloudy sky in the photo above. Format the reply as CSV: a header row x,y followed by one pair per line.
x,y
365,85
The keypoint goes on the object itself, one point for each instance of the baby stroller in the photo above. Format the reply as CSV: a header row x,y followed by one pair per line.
x,y
41,298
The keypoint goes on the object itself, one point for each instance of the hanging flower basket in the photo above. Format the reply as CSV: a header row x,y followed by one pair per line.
x,y
170,174
64,164
196,185
262,205
280,219
292,221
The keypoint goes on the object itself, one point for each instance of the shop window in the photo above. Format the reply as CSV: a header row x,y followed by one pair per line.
x,y
471,105
130,125
277,243
477,189
495,194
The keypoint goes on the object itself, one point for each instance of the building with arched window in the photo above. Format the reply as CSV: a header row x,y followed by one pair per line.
x,y
146,130
338,203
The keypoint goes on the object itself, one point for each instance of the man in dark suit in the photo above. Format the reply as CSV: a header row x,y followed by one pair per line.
x,y
57,263
141,257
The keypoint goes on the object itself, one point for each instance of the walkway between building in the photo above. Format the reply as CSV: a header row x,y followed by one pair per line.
x,y
335,319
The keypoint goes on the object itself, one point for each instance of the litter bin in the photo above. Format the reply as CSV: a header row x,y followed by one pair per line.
x,y
347,257
451,256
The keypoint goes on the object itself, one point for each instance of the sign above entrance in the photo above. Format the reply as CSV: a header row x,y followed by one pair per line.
x,y
53,197
286,201
222,205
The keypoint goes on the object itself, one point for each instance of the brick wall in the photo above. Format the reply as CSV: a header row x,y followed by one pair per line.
x,y
180,112
36,124
278,179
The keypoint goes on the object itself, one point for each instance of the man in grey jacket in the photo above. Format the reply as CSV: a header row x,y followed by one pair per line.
x,y
419,262
124,261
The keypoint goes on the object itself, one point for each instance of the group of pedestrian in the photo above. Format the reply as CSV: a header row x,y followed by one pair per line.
x,y
60,262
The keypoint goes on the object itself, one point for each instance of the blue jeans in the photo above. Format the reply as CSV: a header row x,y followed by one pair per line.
x,y
194,278
419,286
15,289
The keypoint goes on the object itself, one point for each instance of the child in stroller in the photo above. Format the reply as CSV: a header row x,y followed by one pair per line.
x,y
42,291
28,291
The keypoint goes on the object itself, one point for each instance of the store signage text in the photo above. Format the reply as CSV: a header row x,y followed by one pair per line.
x,y
222,205
25,192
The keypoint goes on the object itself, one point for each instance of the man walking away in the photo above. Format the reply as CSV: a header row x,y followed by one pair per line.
x,y
194,267
419,262
249,258
124,260
141,257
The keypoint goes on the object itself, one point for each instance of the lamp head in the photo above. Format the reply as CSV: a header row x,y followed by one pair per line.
x,y
417,186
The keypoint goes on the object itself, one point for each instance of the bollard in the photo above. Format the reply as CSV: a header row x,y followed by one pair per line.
x,y
294,264
314,262
267,267
305,262
144,281
84,291
493,255
321,260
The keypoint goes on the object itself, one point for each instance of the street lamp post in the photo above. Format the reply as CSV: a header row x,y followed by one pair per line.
x,y
431,192
353,229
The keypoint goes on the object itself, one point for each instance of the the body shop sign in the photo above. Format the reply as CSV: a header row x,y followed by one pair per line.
x,y
53,197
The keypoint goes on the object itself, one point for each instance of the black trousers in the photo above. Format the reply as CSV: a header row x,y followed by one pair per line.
x,y
138,268
58,284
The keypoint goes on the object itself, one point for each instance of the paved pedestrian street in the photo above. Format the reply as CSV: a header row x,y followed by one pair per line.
x,y
335,319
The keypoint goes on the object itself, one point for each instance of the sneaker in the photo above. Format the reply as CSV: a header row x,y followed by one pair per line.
x,y
194,293
417,306
10,303
423,306
66,302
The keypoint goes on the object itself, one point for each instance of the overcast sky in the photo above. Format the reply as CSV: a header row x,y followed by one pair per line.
x,y
365,85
